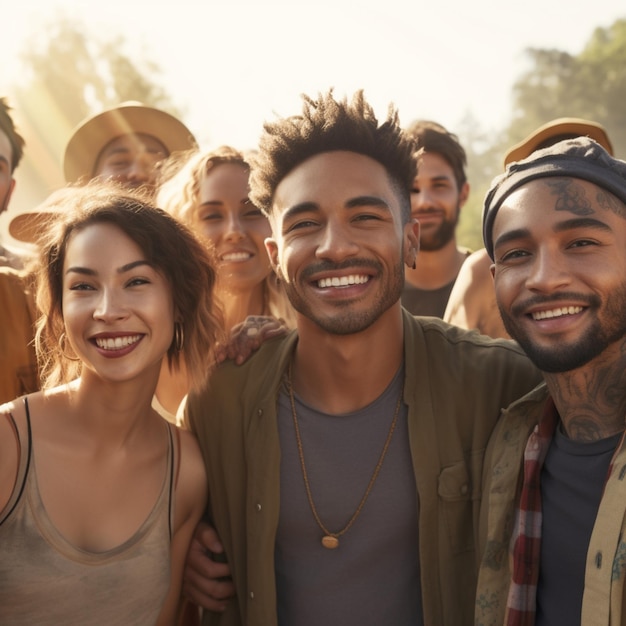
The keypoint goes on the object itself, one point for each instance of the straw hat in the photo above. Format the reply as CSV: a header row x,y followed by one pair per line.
x,y
85,145
92,135
557,130
28,226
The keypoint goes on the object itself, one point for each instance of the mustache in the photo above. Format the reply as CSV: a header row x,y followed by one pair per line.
x,y
429,210
328,266
590,300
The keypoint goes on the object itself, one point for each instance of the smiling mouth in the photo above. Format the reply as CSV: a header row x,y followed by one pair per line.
x,y
559,312
116,343
235,256
343,281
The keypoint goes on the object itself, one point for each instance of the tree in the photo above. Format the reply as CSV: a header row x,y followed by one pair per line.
x,y
69,73
591,85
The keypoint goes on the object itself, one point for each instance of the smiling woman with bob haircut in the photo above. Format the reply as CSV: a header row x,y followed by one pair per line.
x,y
99,495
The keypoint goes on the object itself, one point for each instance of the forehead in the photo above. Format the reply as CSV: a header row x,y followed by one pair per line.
x,y
101,241
133,142
544,202
225,174
333,178
433,165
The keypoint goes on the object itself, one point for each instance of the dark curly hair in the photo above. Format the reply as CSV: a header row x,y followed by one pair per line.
x,y
326,125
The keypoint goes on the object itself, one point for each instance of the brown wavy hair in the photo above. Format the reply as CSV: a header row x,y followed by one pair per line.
x,y
168,246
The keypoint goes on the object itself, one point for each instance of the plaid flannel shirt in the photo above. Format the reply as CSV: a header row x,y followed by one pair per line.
x,y
526,539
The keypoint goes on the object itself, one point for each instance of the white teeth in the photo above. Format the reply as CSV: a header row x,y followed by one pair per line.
x,y
565,310
342,281
115,343
236,256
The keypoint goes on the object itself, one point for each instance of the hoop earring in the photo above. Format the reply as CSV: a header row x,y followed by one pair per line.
x,y
179,337
62,341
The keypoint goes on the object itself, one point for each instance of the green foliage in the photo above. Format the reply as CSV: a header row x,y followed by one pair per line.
x,y
591,85
70,73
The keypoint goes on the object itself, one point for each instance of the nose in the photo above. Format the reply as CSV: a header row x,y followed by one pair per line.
x,y
336,243
234,229
140,170
548,272
110,306
421,200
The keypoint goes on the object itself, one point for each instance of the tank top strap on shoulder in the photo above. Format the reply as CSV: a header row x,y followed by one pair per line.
x,y
25,443
173,466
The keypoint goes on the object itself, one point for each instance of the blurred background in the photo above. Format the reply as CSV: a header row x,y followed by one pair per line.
x,y
489,71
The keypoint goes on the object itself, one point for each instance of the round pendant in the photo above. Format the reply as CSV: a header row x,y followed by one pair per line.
x,y
330,542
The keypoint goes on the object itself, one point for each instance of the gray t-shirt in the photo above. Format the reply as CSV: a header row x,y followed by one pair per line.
x,y
373,577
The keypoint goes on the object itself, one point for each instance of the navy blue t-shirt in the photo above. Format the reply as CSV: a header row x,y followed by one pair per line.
x,y
572,482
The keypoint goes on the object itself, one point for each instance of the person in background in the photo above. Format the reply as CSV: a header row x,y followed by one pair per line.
x,y
18,363
99,496
472,302
344,459
11,152
554,500
439,191
210,194
124,144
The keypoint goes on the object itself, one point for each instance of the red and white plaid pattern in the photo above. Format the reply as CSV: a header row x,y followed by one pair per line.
x,y
526,539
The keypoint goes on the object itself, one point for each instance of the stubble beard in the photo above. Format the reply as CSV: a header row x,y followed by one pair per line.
x,y
443,235
597,338
345,321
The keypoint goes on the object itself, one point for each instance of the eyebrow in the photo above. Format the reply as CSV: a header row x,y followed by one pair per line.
x,y
578,222
352,203
113,151
120,270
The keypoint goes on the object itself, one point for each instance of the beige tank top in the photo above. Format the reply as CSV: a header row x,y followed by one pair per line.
x,y
45,580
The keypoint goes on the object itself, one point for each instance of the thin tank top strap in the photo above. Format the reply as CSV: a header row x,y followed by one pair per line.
x,y
172,460
24,462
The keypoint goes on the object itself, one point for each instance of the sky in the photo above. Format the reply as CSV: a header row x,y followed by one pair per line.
x,y
230,65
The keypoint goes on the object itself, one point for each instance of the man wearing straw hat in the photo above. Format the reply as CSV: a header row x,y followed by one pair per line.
x,y
124,144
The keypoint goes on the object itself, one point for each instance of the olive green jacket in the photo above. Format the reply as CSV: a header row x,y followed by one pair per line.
x,y
456,384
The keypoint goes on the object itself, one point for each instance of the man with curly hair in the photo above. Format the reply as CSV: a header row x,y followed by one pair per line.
x,y
344,459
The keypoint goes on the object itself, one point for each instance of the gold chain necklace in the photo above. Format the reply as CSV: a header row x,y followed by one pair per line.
x,y
330,540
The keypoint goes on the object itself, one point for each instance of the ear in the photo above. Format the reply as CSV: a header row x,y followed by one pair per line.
x,y
411,242
5,204
492,269
464,194
272,253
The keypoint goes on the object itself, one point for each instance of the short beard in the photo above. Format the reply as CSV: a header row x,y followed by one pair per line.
x,y
568,357
442,236
349,323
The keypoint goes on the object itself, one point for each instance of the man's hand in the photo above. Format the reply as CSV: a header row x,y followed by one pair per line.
x,y
248,336
207,582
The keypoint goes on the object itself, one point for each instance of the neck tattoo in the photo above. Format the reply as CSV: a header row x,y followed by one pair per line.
x,y
330,539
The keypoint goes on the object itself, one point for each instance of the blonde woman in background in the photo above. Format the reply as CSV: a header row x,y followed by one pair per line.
x,y
209,194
